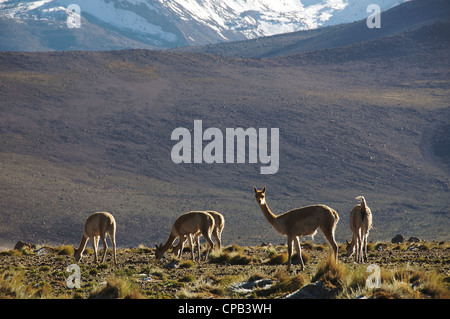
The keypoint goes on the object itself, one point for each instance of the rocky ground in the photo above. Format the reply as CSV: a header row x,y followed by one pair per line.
x,y
236,272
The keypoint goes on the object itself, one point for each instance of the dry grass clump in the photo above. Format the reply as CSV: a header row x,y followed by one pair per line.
x,y
116,288
288,283
408,283
66,250
233,255
235,272
12,285
282,258
333,275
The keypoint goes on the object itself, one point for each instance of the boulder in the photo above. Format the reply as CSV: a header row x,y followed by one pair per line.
x,y
398,239
317,290
23,245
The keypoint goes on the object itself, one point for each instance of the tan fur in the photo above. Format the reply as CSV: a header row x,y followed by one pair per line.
x,y
98,225
184,227
360,225
219,223
301,222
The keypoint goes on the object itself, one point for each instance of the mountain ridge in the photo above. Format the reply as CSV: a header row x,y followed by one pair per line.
x,y
157,24
407,16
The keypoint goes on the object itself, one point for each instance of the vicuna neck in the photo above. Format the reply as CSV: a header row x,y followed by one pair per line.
x,y
267,213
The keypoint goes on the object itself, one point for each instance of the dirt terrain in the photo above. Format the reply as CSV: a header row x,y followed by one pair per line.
x,y
237,272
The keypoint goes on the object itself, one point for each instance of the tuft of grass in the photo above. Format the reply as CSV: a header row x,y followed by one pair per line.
x,y
44,268
232,258
234,248
331,272
435,286
280,259
65,250
116,288
187,264
12,252
188,278
285,283
143,250
277,259
11,285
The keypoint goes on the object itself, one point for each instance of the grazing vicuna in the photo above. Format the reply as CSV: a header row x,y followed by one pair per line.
x,y
219,223
360,224
301,222
186,226
98,225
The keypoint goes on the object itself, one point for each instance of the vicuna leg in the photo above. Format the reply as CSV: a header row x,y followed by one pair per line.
x,y
197,237
360,246
208,239
113,241
217,236
191,244
94,241
365,246
329,235
289,243
299,251
105,247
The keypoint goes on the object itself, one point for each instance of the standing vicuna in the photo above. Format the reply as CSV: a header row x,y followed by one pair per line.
x,y
301,222
219,223
360,224
186,226
98,225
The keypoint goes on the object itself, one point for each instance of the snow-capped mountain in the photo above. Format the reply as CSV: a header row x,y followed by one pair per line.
x,y
170,23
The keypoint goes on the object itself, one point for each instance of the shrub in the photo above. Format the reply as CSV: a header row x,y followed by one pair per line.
x,y
65,250
44,268
188,278
187,264
331,272
279,259
143,250
116,287
12,252
233,258
234,248
12,286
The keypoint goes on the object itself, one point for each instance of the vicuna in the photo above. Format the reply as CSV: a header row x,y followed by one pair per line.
x,y
98,225
301,222
219,223
360,224
186,226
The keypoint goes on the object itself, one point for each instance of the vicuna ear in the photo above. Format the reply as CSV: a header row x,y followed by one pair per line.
x,y
348,243
264,189
254,188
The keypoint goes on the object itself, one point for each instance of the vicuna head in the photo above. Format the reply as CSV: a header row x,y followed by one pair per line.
x,y
350,248
78,254
260,195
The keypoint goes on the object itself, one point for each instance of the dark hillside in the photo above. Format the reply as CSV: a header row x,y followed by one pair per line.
x,y
88,131
410,15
